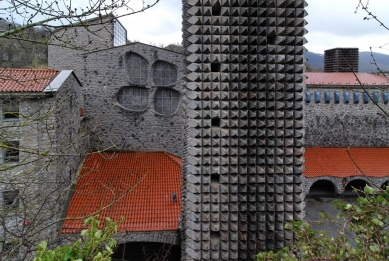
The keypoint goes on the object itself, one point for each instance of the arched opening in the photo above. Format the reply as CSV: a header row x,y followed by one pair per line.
x,y
142,251
323,189
385,184
358,184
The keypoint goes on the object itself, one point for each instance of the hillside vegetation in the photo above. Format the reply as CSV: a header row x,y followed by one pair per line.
x,y
23,54
365,61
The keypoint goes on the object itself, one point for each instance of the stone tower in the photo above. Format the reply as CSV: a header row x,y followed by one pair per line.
x,y
244,126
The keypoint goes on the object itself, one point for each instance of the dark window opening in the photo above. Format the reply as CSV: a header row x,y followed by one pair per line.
x,y
271,39
322,188
216,10
11,199
141,251
215,178
9,249
11,152
215,67
10,110
215,235
355,184
215,122
385,185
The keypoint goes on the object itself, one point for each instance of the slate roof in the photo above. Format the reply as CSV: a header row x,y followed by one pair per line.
x,y
135,185
25,80
326,78
338,162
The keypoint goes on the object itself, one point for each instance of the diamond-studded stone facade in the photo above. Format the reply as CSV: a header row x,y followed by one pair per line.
x,y
244,126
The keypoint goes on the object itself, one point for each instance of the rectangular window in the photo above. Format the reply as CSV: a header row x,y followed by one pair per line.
x,y
337,97
327,97
376,96
366,98
307,97
10,250
11,199
385,97
317,97
11,152
346,97
10,110
356,97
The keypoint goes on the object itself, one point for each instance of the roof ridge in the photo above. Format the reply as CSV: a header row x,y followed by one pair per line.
x,y
27,69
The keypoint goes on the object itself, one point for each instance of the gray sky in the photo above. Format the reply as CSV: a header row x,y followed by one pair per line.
x,y
331,23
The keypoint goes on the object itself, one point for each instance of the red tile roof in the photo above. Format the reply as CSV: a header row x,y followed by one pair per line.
x,y
322,78
25,80
135,185
337,162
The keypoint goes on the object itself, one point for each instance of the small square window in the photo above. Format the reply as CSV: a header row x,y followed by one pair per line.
x,y
215,67
215,122
216,10
11,199
11,152
10,110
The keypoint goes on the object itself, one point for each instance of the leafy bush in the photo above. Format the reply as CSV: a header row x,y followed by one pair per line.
x,y
368,219
94,244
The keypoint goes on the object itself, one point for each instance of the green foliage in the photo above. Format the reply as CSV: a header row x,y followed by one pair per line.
x,y
367,219
94,244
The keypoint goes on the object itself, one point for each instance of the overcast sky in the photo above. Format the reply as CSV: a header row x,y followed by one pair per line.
x,y
331,23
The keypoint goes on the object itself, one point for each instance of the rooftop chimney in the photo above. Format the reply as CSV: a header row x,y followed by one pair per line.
x,y
341,60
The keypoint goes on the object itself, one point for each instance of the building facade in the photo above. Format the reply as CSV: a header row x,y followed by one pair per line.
x,y
41,140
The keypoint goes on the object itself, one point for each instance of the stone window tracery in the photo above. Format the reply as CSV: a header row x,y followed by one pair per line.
x,y
166,101
164,73
133,98
137,68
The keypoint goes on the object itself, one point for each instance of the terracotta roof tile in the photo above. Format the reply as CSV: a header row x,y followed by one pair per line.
x,y
135,185
25,80
322,78
336,162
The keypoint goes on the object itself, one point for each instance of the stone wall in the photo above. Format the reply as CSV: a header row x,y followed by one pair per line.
x,y
331,124
167,237
117,127
65,51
